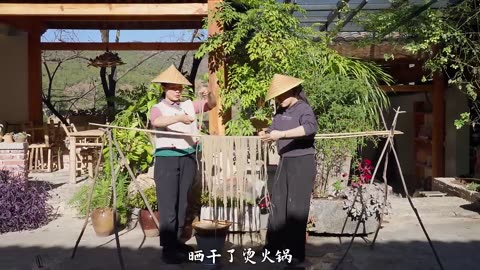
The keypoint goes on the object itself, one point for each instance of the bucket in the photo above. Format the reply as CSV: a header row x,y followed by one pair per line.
x,y
211,235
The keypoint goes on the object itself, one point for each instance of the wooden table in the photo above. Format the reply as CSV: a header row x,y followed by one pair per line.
x,y
86,138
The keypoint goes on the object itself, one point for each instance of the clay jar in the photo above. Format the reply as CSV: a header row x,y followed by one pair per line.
x,y
148,224
102,221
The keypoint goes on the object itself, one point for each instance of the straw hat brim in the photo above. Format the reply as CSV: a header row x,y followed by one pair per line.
x,y
171,75
281,84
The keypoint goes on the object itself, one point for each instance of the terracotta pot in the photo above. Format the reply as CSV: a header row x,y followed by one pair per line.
x,y
148,224
19,138
102,221
8,138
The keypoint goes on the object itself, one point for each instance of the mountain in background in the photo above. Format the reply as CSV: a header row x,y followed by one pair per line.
x,y
75,79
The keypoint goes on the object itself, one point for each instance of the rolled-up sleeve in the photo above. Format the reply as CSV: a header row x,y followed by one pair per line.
x,y
309,122
201,105
154,114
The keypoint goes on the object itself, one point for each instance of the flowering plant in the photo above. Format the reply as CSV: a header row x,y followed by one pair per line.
x,y
365,173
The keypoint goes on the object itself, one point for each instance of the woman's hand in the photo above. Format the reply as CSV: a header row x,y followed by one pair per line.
x,y
273,136
185,118
204,92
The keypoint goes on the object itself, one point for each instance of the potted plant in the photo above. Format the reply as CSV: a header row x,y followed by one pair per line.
x,y
146,220
20,137
8,137
102,203
337,209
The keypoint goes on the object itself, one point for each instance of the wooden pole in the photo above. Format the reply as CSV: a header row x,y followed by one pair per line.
x,y
34,75
438,127
216,118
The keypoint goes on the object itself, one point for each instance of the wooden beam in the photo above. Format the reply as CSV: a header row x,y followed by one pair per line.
x,y
407,88
438,126
107,10
217,120
124,46
34,76
124,25
123,18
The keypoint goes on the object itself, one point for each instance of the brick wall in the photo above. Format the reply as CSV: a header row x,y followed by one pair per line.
x,y
13,157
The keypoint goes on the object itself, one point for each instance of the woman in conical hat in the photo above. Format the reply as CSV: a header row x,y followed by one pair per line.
x,y
293,129
175,158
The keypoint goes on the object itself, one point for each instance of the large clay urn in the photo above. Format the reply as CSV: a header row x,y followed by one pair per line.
x,y
148,224
102,221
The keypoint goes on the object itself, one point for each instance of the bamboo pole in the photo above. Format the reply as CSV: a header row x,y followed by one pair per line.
x,y
114,189
318,136
89,201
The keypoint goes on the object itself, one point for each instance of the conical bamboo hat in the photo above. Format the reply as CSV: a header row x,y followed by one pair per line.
x,y
171,75
281,84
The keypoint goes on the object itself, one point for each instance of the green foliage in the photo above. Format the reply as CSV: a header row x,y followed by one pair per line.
x,y
337,186
447,37
137,201
464,119
263,38
136,145
473,186
103,196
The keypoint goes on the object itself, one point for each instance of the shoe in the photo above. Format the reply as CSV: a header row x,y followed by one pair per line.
x,y
172,256
185,248
295,264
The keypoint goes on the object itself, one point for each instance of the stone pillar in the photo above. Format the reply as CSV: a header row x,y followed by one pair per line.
x,y
14,158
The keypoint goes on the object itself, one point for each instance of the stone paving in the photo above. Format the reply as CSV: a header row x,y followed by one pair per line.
x,y
453,225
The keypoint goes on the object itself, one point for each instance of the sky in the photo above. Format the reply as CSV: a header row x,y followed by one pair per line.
x,y
53,35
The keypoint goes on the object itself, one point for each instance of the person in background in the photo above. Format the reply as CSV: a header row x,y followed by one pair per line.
x,y
175,158
293,129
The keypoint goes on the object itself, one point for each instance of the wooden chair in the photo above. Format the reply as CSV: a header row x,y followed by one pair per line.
x,y
85,155
41,155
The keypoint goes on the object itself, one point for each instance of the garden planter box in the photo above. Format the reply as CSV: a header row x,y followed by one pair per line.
x,y
249,221
448,185
331,218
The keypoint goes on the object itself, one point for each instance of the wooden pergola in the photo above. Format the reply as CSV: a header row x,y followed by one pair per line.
x,y
36,16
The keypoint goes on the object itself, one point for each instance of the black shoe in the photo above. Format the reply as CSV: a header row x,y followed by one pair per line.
x,y
295,263
172,256
185,248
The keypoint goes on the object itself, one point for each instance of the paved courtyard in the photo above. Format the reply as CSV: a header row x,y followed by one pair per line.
x,y
453,225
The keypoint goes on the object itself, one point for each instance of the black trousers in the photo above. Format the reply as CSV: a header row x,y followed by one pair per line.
x,y
290,193
174,177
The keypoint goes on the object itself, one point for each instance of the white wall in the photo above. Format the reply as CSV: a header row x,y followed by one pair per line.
x,y
404,143
457,141
13,76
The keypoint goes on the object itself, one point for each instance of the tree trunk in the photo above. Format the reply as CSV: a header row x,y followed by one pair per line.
x,y
54,111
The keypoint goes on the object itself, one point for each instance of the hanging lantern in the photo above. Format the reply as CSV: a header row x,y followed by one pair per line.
x,y
107,59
